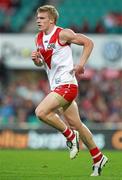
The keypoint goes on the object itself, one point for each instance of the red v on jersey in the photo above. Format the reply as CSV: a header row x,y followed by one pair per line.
x,y
47,54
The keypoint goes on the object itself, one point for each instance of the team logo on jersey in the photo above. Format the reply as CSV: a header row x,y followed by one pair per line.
x,y
51,46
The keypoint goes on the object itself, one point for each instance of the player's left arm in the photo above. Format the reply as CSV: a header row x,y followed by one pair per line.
x,y
68,36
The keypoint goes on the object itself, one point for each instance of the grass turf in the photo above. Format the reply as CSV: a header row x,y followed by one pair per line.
x,y
55,165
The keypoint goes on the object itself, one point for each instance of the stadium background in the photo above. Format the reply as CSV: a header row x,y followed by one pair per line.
x,y
22,85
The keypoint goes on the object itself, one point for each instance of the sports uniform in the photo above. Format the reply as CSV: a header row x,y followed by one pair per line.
x,y
58,63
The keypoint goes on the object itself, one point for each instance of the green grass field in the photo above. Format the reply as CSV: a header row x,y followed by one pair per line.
x,y
55,165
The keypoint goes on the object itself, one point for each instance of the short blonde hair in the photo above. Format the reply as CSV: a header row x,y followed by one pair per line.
x,y
52,11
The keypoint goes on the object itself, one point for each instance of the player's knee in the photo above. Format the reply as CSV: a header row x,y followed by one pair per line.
x,y
40,114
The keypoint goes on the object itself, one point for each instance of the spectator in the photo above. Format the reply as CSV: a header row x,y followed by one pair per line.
x,y
99,27
7,112
85,26
3,72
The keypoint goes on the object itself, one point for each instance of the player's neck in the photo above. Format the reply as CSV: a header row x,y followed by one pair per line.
x,y
50,29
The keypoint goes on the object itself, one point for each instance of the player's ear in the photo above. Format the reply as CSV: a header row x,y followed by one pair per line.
x,y
52,21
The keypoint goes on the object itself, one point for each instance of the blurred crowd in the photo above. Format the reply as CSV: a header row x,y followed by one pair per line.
x,y
7,9
99,100
111,22
18,100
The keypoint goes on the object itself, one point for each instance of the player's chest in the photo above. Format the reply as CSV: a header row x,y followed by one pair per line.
x,y
46,46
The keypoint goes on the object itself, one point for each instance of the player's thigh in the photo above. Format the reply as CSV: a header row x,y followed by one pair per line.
x,y
52,102
71,114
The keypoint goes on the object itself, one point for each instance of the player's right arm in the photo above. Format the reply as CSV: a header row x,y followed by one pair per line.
x,y
36,56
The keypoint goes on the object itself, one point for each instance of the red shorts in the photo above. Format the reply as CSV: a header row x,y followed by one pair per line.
x,y
67,91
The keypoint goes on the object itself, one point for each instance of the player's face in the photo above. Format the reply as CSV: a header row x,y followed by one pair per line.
x,y
43,21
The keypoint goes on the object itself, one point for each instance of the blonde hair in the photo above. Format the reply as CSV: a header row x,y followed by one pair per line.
x,y
51,10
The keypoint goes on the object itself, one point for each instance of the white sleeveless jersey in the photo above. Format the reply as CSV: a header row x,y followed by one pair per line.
x,y
57,58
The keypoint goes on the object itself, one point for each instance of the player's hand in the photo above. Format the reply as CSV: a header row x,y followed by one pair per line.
x,y
36,58
79,71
